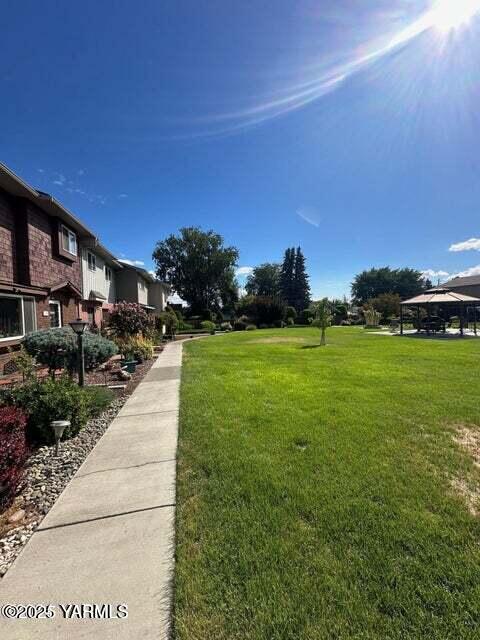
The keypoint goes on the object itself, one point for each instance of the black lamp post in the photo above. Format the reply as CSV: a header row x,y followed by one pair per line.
x,y
79,328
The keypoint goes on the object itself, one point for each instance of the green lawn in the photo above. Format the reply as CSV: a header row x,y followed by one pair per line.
x,y
315,494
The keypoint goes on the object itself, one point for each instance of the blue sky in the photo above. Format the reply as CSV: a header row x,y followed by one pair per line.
x,y
346,127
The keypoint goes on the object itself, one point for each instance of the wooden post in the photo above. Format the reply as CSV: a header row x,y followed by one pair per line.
x,y
475,319
401,320
461,319
418,318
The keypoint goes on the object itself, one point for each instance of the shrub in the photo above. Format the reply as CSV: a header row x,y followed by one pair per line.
x,y
98,399
130,319
387,304
13,445
60,399
290,322
135,348
290,312
58,349
262,309
208,326
170,321
250,327
226,326
372,318
240,324
305,317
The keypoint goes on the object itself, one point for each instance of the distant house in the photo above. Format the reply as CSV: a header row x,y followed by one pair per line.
x,y
40,272
99,280
469,285
134,284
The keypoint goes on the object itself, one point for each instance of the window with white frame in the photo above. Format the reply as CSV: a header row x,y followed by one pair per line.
x,y
17,316
108,274
69,241
92,262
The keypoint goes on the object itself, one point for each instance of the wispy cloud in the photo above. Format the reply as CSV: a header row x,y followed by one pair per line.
x,y
310,215
472,271
472,244
133,263
431,273
41,170
123,195
243,271
60,179
81,172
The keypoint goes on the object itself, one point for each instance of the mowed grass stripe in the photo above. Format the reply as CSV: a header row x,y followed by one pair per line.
x,y
314,488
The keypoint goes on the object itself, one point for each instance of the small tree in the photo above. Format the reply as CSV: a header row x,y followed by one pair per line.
x,y
170,321
323,318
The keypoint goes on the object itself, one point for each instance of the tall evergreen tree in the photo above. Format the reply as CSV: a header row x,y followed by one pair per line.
x,y
287,277
301,286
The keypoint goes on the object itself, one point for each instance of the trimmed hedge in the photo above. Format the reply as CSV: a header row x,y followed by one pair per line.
x,y
14,451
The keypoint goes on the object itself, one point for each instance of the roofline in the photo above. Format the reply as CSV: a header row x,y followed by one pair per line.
x,y
105,253
13,184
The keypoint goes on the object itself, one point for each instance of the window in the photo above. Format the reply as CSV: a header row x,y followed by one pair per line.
x,y
55,314
69,241
17,316
92,263
108,274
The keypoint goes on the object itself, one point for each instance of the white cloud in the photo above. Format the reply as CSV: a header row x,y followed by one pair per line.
x,y
80,172
430,273
310,215
41,170
472,271
466,245
133,263
243,271
123,195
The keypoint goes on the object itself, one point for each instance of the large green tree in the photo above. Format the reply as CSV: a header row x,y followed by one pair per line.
x,y
264,280
198,267
294,287
287,277
374,282
301,286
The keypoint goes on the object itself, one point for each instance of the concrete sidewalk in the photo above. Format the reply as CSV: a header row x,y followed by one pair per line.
x,y
108,540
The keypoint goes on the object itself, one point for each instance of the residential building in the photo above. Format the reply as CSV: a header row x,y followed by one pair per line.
x,y
99,276
135,284
40,271
469,285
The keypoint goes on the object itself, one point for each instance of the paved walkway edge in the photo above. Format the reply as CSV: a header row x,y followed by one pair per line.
x,y
109,538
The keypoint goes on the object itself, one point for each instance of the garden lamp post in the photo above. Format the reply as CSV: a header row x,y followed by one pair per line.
x,y
59,427
79,328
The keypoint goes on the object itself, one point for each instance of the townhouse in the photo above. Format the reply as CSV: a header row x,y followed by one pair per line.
x,y
53,269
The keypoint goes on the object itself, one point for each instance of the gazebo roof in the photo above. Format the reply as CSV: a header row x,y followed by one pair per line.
x,y
440,295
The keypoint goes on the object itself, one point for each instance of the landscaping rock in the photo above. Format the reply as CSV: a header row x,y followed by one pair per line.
x,y
45,478
17,516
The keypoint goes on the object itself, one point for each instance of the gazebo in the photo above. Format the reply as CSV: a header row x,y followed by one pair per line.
x,y
440,296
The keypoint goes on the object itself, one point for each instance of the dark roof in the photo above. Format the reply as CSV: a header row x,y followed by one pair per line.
x,y
467,281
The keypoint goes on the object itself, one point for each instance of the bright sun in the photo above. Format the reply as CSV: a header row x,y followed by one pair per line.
x,y
450,14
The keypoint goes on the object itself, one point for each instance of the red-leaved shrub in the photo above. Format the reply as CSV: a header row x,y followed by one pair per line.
x,y
13,451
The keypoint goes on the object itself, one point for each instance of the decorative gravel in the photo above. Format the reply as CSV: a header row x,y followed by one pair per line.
x,y
45,478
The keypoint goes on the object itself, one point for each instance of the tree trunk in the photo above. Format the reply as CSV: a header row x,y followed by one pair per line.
x,y
323,340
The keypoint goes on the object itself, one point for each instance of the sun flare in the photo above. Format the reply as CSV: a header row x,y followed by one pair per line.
x,y
448,15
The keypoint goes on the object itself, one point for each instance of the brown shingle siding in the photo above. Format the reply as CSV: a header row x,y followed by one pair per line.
x,y
7,240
